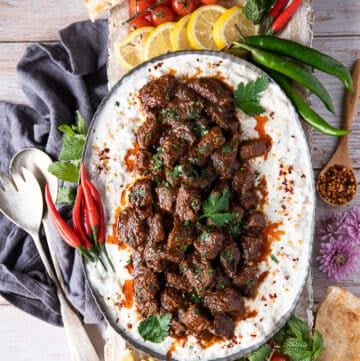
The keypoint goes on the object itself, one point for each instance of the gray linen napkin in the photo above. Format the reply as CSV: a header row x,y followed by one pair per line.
x,y
58,79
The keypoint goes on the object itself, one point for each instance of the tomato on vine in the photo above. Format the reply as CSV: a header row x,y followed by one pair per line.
x,y
162,14
277,356
139,22
137,6
183,7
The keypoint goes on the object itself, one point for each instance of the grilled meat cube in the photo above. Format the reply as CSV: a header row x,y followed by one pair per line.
x,y
224,158
140,195
188,203
209,244
223,325
171,299
255,222
175,254
178,281
251,245
250,200
156,93
198,272
166,197
146,285
254,148
195,319
181,235
243,179
246,281
147,308
152,257
177,329
131,228
222,301
230,258
156,228
213,90
148,133
143,162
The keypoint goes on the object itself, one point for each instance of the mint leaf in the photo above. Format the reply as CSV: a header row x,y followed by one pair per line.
x,y
80,127
66,195
318,345
262,354
155,327
296,349
73,146
247,96
67,171
298,328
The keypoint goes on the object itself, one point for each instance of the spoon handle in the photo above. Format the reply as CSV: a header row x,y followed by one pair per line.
x,y
80,346
352,98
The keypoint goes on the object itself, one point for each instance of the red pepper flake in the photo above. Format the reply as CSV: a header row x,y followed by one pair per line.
x,y
128,292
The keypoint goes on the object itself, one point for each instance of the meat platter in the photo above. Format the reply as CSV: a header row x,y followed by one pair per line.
x,y
227,289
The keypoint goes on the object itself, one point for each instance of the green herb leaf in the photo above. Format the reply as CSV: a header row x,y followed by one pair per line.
x,y
220,219
298,329
66,195
216,203
274,258
67,171
80,127
66,129
318,345
73,146
155,327
296,349
247,98
255,10
262,354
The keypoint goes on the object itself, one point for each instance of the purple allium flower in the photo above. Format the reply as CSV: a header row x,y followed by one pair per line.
x,y
351,224
329,227
339,258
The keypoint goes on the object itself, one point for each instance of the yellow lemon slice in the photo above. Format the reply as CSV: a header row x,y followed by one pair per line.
x,y
200,26
129,52
158,41
227,26
178,38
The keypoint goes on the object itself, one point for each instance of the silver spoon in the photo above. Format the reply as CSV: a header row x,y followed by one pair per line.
x,y
37,162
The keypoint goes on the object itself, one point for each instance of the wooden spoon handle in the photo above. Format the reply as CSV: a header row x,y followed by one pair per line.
x,y
351,99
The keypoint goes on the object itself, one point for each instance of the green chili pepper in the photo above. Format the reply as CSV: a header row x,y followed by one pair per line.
x,y
291,70
306,55
308,114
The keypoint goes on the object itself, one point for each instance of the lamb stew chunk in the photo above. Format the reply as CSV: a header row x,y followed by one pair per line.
x,y
193,220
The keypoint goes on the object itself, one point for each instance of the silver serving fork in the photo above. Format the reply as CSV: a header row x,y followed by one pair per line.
x,y
21,201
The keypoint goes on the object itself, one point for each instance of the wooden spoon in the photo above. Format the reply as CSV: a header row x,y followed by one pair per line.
x,y
336,182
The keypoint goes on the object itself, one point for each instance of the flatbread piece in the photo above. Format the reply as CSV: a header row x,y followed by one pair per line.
x,y
97,7
338,320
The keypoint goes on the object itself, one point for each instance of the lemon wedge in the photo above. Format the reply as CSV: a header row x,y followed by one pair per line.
x,y
158,41
200,26
227,26
129,52
178,37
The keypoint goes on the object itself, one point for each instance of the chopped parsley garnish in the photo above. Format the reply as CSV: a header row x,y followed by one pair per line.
x,y
226,148
169,114
155,327
274,258
157,162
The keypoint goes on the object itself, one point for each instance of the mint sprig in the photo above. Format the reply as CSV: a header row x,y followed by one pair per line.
x,y
247,96
67,168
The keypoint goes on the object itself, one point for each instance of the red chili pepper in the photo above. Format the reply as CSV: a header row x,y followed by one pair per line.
x,y
278,7
91,209
101,238
85,218
65,231
77,219
280,22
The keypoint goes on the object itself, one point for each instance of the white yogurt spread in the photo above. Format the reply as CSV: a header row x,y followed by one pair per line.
x,y
288,203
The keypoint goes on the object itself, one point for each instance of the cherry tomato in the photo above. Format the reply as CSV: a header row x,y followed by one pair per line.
x,y
277,356
209,2
139,22
183,7
136,6
162,14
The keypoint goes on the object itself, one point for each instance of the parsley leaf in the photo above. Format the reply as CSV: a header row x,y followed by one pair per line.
x,y
155,327
262,354
246,96
73,146
66,195
214,205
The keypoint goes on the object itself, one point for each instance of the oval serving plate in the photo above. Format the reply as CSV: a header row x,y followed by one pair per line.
x,y
288,203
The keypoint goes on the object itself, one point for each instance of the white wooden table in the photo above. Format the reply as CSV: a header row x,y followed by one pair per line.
x,y
337,32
